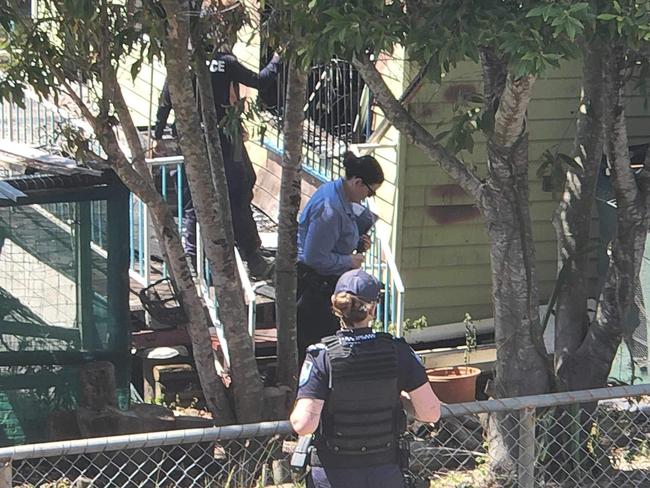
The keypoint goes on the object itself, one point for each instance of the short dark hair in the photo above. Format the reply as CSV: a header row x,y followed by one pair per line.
x,y
365,167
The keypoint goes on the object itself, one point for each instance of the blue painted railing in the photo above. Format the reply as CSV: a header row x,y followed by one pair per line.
x,y
142,239
39,124
380,262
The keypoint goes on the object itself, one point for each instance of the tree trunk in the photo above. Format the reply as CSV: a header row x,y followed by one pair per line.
x,y
522,367
508,223
604,335
572,218
572,222
173,254
212,206
138,179
504,203
285,263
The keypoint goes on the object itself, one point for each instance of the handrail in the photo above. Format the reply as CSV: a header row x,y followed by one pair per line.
x,y
247,285
392,265
399,290
249,292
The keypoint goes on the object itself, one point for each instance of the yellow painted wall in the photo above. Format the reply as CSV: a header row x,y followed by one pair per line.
x,y
142,93
444,254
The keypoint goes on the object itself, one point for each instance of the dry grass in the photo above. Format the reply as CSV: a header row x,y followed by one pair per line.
x,y
474,478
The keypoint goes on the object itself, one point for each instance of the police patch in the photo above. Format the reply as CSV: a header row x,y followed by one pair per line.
x,y
418,358
305,373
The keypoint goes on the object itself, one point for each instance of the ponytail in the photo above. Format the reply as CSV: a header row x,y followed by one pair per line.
x,y
365,167
349,308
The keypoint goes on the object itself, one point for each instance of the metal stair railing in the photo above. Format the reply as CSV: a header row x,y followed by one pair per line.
x,y
166,166
39,124
380,262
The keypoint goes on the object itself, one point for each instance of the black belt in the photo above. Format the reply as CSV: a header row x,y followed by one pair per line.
x,y
309,278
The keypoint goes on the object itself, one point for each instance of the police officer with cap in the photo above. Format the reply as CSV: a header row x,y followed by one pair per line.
x,y
353,389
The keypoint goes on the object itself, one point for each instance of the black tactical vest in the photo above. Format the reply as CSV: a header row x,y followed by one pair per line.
x,y
363,416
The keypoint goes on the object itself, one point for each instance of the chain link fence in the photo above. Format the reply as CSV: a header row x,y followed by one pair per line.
x,y
593,438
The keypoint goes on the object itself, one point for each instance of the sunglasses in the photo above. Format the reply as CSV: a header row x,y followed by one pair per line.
x,y
371,192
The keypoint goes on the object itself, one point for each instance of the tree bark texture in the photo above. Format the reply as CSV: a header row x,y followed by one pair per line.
x,y
522,367
174,255
510,117
605,333
287,257
138,179
508,223
210,198
572,219
495,74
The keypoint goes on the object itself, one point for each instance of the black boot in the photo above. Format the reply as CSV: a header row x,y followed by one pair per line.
x,y
259,267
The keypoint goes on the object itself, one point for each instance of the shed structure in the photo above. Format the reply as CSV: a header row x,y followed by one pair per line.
x,y
63,287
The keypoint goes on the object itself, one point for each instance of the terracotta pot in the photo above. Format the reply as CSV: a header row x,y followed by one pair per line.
x,y
454,384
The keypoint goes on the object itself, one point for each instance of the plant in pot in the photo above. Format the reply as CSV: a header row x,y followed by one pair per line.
x,y
456,384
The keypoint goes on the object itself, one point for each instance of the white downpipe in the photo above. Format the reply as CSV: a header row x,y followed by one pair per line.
x,y
249,293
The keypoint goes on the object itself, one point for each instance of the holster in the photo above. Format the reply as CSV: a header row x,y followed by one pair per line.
x,y
310,279
301,457
404,453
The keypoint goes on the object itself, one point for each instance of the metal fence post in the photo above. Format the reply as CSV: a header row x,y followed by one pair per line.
x,y
5,473
527,448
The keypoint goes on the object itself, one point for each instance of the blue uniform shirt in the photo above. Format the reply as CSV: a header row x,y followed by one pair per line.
x,y
328,231
315,373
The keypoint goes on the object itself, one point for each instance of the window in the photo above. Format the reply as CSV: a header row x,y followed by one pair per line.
x,y
338,109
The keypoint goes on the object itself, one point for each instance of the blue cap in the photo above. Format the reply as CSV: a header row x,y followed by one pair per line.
x,y
359,283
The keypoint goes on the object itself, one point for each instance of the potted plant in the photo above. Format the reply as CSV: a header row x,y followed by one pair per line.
x,y
456,384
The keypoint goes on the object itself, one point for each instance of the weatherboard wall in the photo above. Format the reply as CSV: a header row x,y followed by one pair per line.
x,y
444,250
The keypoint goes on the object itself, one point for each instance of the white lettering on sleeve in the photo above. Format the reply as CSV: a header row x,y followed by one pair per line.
x,y
217,66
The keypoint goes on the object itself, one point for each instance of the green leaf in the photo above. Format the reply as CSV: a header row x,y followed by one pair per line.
x,y
135,68
579,7
536,12
571,31
607,17
570,162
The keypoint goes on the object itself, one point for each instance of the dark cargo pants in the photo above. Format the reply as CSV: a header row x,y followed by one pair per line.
x,y
240,177
384,476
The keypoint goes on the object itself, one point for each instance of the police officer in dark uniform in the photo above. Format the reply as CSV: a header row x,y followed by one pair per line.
x,y
353,389
226,75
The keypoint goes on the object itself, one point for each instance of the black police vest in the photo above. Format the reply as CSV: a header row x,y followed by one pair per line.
x,y
363,416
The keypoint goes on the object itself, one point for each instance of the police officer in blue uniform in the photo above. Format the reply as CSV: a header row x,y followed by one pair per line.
x,y
353,389
331,240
